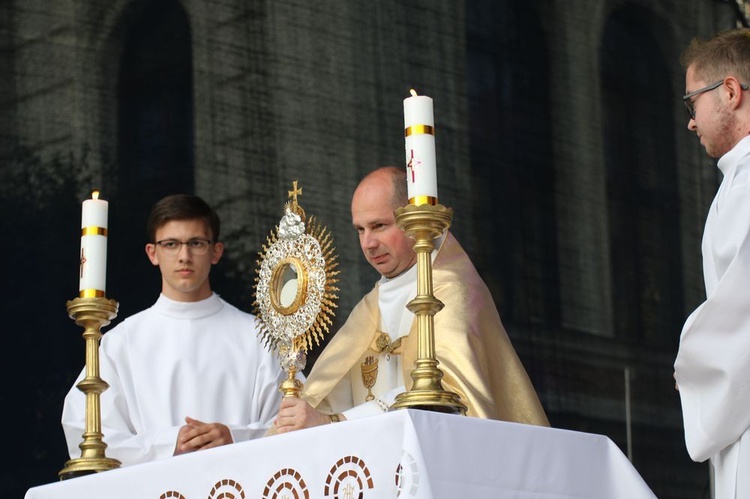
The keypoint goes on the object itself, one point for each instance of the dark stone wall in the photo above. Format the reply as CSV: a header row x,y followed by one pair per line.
x,y
561,147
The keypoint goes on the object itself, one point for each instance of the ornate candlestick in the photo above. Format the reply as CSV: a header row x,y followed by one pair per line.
x,y
92,313
424,223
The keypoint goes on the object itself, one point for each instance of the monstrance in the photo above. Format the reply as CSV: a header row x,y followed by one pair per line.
x,y
295,292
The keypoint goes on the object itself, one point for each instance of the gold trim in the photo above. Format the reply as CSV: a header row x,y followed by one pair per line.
x,y
369,370
420,200
305,247
276,285
419,130
91,293
383,344
94,231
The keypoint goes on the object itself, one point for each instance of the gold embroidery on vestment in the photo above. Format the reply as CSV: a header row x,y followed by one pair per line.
x,y
369,375
383,344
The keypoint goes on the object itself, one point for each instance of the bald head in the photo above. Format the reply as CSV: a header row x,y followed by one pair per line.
x,y
383,243
391,179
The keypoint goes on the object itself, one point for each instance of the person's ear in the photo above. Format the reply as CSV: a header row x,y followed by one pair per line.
x,y
218,251
734,91
151,253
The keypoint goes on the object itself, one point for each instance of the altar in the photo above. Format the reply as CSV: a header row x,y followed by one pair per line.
x,y
404,453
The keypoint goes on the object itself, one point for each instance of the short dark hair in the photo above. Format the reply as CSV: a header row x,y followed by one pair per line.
x,y
182,207
726,53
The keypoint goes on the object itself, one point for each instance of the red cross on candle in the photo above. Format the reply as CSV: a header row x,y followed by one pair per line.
x,y
83,262
413,162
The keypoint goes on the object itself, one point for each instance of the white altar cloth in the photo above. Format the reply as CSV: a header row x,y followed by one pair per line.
x,y
405,454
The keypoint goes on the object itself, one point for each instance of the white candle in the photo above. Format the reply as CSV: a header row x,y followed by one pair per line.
x,y
93,270
419,133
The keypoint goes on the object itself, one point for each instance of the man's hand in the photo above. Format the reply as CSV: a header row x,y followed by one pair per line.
x,y
295,414
197,435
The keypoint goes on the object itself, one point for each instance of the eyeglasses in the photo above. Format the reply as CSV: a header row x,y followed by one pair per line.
x,y
173,246
688,98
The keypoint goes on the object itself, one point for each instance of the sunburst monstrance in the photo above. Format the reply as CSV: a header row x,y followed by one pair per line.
x,y
295,292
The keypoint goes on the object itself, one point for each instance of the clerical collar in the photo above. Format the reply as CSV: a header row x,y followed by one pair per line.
x,y
403,279
393,295
188,310
412,272
731,158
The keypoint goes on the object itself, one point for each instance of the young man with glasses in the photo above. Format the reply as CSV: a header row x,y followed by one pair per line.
x,y
189,373
712,369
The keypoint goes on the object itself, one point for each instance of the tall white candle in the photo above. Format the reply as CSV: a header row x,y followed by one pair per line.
x,y
93,270
419,133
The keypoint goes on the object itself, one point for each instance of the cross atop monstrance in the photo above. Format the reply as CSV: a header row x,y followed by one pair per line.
x,y
294,193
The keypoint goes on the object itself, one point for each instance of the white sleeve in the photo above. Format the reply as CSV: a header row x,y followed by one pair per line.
x,y
712,368
374,407
266,398
118,431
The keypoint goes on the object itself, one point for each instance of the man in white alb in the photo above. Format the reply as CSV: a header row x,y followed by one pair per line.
x,y
712,369
189,373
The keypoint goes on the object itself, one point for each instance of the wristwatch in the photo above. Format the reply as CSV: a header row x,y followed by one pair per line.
x,y
335,418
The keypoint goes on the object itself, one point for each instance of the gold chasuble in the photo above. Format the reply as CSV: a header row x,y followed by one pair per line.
x,y
474,352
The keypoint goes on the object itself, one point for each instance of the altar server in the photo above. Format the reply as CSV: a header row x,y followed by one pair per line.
x,y
712,368
188,373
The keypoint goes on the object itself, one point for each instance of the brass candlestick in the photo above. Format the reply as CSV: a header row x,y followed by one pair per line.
x,y
424,223
92,313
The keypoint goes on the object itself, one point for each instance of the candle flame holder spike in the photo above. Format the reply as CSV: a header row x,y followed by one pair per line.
x,y
424,223
92,313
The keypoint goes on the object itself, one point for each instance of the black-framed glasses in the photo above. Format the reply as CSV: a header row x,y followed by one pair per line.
x,y
688,98
173,246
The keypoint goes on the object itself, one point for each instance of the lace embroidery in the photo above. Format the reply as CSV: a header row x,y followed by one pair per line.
x,y
382,405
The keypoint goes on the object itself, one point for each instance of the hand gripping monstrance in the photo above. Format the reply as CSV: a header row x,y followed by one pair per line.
x,y
294,291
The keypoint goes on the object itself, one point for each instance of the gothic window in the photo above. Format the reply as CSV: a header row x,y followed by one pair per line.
x,y
512,160
155,114
641,176
154,130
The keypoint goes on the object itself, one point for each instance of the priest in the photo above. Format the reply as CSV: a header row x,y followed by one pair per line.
x,y
369,360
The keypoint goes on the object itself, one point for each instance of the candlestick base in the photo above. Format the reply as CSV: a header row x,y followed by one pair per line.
x,y
83,466
424,223
92,313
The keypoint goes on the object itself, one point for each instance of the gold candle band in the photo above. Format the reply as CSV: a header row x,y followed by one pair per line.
x,y
93,231
419,130
420,200
91,293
